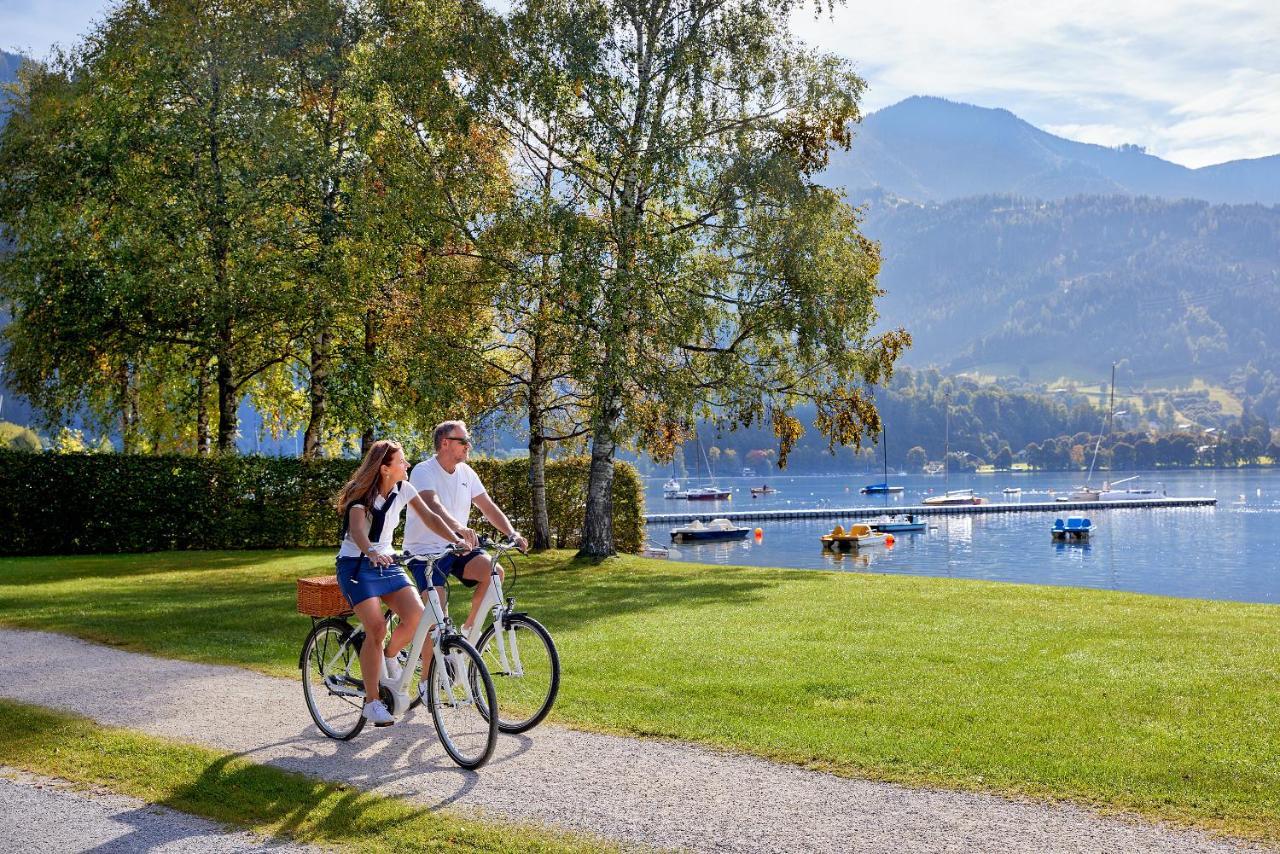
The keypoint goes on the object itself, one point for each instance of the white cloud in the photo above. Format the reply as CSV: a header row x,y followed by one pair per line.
x,y
1188,80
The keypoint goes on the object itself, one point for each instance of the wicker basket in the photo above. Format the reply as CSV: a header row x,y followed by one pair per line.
x,y
321,597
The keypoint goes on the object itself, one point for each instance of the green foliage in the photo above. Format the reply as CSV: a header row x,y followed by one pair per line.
x,y
508,482
245,198
15,437
132,503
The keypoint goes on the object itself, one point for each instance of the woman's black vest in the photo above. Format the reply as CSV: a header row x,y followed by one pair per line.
x,y
376,517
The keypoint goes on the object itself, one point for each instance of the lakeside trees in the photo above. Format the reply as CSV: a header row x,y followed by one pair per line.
x,y
209,201
727,281
366,217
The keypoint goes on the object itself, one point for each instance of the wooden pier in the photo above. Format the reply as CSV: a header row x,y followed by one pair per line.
x,y
924,510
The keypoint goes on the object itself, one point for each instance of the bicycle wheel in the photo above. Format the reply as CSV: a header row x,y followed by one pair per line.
x,y
467,734
528,680
331,682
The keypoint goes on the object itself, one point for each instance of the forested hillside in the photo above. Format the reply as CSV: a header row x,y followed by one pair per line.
x,y
1003,422
932,149
1171,289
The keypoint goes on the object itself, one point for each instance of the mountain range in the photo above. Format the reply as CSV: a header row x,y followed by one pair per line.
x,y
932,149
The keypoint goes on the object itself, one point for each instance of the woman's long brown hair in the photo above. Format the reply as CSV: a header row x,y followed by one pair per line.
x,y
363,486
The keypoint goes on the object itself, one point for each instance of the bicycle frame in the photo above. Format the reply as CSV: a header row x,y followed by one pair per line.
x,y
497,604
399,690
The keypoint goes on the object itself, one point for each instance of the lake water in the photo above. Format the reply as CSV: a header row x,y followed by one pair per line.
x,y
1231,551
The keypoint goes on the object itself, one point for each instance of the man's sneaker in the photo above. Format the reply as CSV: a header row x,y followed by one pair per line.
x,y
376,713
394,670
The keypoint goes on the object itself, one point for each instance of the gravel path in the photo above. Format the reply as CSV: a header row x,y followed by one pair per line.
x,y
48,815
656,793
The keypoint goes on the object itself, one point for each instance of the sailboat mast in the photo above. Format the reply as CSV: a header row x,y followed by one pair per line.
x,y
884,439
946,444
1111,417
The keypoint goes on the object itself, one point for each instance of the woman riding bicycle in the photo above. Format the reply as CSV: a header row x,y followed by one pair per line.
x,y
370,506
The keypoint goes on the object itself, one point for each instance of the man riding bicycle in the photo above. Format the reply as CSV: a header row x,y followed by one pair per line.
x,y
449,487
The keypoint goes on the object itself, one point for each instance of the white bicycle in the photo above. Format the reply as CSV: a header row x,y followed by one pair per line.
x,y
516,649
460,703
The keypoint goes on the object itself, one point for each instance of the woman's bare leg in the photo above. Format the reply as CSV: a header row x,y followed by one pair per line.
x,y
375,632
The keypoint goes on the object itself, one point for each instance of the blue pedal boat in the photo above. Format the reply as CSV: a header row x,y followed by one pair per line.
x,y
1074,528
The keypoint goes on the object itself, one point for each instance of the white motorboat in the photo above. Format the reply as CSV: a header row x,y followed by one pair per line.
x,y
1082,493
706,493
716,529
671,489
953,497
1110,493
898,523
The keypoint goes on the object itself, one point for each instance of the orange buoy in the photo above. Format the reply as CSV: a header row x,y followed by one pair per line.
x,y
759,533
888,540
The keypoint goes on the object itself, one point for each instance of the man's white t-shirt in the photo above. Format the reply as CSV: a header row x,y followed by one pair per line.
x,y
404,494
455,491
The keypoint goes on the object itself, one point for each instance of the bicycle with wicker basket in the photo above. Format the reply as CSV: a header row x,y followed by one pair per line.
x,y
333,686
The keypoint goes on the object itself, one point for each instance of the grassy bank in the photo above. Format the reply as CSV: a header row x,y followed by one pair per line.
x,y
245,795
1163,706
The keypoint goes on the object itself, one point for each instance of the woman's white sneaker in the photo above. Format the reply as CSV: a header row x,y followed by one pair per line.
x,y
376,713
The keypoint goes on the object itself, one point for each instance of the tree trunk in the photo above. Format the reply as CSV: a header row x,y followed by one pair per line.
x,y
370,354
541,538
202,408
597,529
228,399
319,395
128,409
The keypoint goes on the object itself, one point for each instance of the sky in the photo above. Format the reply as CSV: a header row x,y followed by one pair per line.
x,y
1193,82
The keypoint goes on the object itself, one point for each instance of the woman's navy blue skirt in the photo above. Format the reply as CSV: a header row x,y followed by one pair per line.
x,y
360,579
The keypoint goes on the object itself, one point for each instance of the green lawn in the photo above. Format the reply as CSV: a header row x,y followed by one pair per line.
x,y
1164,706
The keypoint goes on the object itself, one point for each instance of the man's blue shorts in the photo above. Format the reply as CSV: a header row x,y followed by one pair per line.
x,y
447,565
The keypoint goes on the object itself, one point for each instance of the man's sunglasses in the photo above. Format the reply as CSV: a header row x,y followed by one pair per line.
x,y
459,441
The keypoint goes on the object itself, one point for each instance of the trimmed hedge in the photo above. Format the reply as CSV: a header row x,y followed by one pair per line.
x,y
93,503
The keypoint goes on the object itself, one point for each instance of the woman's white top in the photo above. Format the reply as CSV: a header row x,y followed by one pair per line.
x,y
404,494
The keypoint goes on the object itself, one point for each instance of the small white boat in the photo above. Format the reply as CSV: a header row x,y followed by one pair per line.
x,y
953,497
897,523
652,550
716,529
934,468
671,489
1012,490
858,536
1110,493
706,493
1081,493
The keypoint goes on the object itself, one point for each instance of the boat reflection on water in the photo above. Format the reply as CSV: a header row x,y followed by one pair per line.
x,y
850,559
724,552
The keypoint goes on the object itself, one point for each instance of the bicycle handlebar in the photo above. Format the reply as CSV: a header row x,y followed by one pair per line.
x,y
484,542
